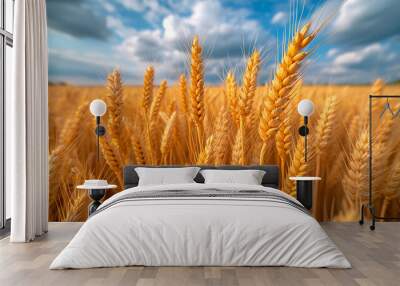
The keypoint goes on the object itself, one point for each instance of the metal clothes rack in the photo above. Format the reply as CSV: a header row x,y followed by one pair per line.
x,y
370,204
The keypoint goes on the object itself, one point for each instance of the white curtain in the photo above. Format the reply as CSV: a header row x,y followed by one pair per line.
x,y
27,124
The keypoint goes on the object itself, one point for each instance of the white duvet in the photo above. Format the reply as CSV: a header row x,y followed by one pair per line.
x,y
200,231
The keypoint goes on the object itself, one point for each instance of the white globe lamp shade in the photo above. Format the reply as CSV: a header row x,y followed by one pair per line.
x,y
98,107
305,107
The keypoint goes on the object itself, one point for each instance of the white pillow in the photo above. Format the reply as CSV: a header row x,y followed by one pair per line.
x,y
166,176
248,177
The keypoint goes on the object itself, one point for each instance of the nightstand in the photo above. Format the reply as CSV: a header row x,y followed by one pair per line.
x,y
96,193
304,190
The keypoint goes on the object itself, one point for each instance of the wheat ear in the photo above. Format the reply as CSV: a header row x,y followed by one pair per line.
x,y
167,138
67,140
298,167
249,85
114,106
221,137
206,153
283,141
280,89
377,89
325,125
385,127
197,88
237,148
171,108
148,87
138,151
183,94
156,104
355,180
232,95
111,158
153,120
246,97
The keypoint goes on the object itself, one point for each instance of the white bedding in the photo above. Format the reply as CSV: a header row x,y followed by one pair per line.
x,y
200,231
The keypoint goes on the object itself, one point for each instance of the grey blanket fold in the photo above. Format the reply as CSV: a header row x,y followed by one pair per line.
x,y
202,194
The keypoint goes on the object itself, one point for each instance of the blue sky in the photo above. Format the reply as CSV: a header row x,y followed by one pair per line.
x,y
88,38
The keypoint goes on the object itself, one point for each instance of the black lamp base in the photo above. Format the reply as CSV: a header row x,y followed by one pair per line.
x,y
96,195
304,193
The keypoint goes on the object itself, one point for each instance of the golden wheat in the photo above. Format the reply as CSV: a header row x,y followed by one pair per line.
x,y
160,129
281,86
221,137
167,137
205,155
138,151
148,88
231,93
298,167
114,106
183,94
355,180
112,159
197,88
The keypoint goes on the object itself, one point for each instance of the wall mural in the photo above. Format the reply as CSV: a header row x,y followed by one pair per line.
x,y
202,82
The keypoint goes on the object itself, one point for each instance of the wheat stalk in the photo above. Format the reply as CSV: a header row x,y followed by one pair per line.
x,y
283,141
391,190
280,89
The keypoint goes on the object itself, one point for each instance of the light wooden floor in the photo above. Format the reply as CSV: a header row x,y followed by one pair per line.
x,y
375,257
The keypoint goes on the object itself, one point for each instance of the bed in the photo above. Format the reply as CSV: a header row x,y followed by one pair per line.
x,y
197,224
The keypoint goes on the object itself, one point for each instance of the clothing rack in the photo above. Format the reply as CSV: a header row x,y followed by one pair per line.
x,y
370,206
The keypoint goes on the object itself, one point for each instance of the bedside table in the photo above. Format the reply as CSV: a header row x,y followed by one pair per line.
x,y
304,189
96,193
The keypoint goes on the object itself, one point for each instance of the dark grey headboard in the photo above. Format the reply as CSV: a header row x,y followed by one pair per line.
x,y
271,177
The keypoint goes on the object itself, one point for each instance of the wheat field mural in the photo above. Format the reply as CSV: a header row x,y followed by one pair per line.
x,y
239,121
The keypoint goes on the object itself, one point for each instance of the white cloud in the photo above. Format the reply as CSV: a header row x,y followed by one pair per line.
x,y
224,34
363,22
279,18
359,65
359,56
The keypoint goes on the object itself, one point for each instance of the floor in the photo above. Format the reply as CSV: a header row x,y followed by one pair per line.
x,y
375,257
